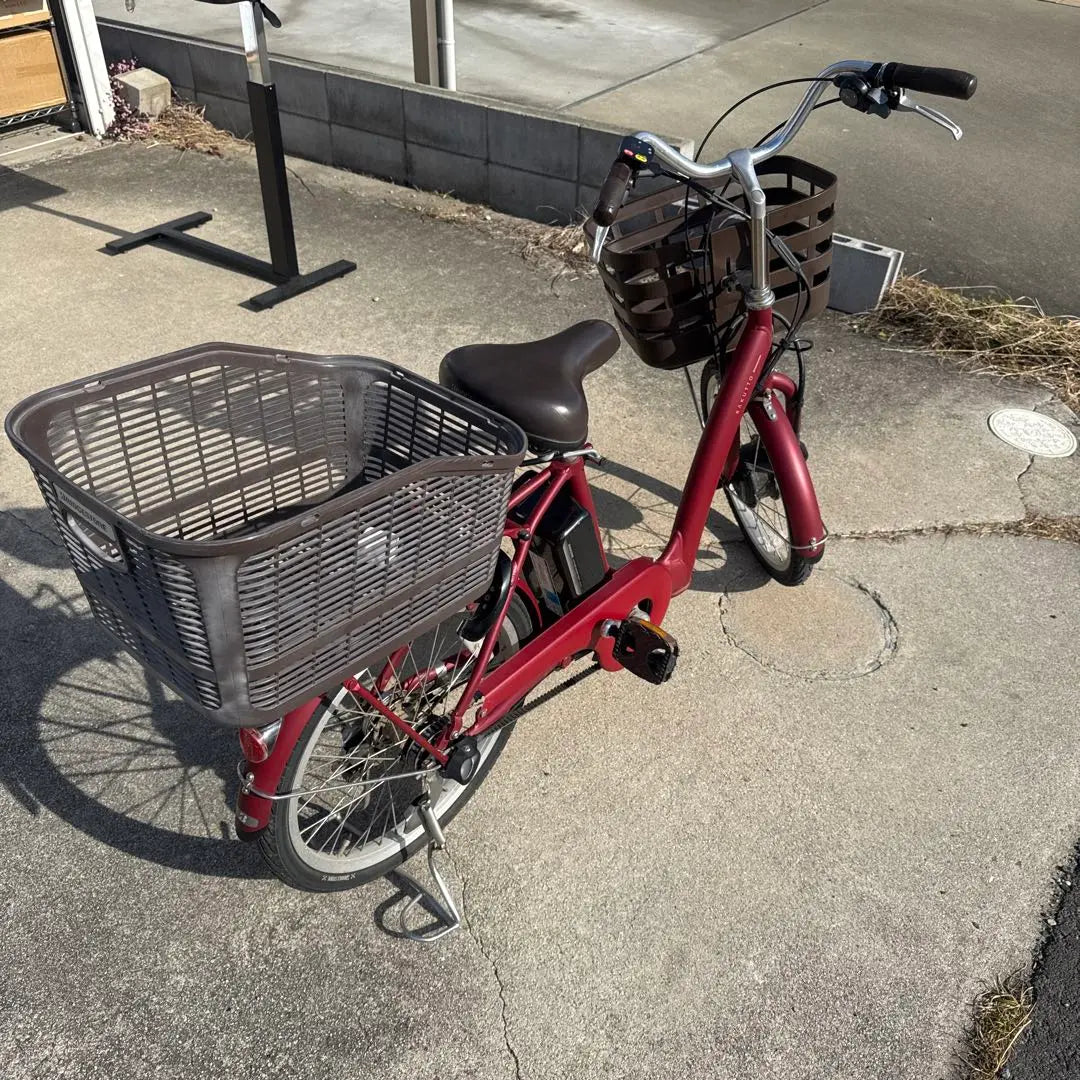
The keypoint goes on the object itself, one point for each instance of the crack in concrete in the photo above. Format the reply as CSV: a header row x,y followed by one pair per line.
x,y
15,516
1025,526
1052,399
479,939
1020,483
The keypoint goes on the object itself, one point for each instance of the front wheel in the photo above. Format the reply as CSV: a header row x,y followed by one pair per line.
x,y
756,495
354,818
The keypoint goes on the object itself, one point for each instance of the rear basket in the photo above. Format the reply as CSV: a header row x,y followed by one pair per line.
x,y
161,476
670,261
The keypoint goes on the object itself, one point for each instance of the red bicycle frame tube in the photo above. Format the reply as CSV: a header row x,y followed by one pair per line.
x,y
646,584
638,584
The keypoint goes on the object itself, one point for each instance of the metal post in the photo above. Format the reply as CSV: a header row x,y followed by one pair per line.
x,y
444,33
254,30
283,270
269,150
425,42
81,32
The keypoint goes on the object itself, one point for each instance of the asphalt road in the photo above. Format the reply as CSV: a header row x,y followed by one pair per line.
x,y
1051,1049
997,208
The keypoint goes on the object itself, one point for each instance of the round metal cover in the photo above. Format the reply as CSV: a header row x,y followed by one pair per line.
x,y
1033,433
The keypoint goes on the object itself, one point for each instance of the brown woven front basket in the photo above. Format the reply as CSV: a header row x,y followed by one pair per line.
x,y
254,525
670,262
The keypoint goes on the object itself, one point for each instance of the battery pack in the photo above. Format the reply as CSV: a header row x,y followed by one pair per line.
x,y
566,542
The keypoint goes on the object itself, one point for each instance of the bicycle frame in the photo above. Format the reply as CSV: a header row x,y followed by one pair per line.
x,y
643,584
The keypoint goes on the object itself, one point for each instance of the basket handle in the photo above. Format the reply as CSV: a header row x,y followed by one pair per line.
x,y
93,532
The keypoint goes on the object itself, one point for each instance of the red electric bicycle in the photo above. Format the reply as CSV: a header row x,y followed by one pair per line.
x,y
346,785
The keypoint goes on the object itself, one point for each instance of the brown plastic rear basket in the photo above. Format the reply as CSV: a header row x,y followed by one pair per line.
x,y
670,261
162,476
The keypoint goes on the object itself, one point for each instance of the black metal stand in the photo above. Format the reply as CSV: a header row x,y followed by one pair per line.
x,y
283,270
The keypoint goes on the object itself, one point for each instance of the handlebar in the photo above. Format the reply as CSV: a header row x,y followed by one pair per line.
x,y
612,193
887,80
945,82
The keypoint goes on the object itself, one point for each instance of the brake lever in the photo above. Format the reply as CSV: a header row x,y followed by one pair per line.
x,y
905,104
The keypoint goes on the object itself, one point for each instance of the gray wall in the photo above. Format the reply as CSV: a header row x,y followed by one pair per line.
x,y
538,166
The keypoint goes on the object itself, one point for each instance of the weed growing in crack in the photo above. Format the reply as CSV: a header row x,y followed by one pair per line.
x,y
999,1016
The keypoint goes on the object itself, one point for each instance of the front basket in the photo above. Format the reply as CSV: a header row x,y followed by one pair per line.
x,y
670,263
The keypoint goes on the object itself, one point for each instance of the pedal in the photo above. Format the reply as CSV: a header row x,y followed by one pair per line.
x,y
645,650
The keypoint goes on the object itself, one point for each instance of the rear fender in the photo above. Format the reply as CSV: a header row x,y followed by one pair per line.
x,y
253,809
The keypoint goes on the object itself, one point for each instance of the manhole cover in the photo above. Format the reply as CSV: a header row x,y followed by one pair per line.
x,y
1033,433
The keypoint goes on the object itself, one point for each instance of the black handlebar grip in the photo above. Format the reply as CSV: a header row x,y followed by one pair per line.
x,y
945,82
612,193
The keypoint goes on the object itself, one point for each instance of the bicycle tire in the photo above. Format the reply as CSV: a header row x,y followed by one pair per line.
x,y
298,866
757,497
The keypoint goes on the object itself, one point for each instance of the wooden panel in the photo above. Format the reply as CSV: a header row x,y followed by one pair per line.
x,y
29,73
26,18
20,12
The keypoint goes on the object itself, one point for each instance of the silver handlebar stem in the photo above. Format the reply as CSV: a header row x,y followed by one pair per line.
x,y
760,295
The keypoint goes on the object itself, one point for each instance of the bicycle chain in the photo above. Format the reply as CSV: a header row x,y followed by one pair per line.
x,y
520,709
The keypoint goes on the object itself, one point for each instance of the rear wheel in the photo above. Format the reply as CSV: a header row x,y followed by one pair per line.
x,y
355,818
756,496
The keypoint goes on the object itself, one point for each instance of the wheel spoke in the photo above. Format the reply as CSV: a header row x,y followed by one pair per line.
x,y
358,771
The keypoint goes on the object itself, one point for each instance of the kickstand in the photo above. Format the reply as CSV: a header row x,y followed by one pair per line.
x,y
448,913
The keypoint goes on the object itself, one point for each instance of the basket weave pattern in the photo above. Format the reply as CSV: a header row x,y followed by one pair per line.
x,y
198,497
671,261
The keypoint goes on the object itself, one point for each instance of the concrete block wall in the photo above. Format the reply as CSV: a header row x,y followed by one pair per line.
x,y
536,165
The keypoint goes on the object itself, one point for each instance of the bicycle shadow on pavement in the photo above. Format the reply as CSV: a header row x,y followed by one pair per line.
x,y
93,738
636,513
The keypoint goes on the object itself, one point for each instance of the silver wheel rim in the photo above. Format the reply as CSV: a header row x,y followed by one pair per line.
x,y
771,544
330,839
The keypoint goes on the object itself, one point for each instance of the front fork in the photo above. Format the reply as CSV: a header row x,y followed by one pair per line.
x,y
778,382
785,453
777,415
773,383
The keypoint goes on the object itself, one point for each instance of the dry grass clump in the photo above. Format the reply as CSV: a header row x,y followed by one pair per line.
x,y
1000,1015
185,126
562,245
566,242
1043,526
1050,528
986,335
182,125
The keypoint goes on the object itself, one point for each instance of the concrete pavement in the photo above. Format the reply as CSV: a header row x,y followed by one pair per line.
x,y
996,209
537,52
796,860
